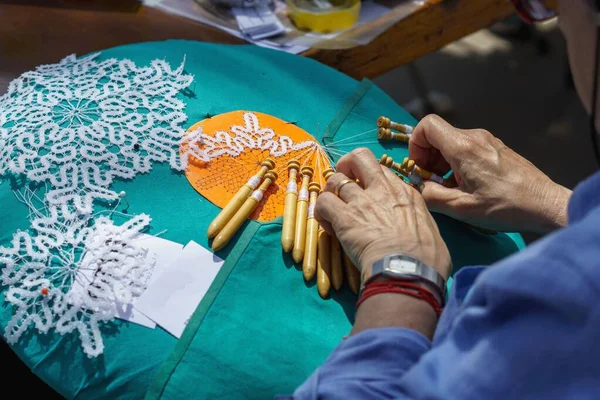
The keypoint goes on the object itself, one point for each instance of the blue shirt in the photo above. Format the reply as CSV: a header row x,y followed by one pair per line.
x,y
526,328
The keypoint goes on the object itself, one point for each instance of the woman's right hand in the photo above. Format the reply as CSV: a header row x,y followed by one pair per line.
x,y
497,188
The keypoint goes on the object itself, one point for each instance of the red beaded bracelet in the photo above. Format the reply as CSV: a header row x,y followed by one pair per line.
x,y
402,287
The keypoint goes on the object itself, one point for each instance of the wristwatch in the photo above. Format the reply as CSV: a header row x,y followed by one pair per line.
x,y
403,267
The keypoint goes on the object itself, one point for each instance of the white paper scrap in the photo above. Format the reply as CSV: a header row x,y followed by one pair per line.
x,y
164,250
258,22
173,297
161,251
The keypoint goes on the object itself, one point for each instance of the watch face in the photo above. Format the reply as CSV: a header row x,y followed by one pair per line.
x,y
401,266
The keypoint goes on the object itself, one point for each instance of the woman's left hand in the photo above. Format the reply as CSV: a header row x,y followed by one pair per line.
x,y
381,216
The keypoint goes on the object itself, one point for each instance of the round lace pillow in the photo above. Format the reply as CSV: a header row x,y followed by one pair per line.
x,y
95,132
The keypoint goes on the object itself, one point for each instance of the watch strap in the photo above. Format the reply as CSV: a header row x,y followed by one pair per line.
x,y
421,273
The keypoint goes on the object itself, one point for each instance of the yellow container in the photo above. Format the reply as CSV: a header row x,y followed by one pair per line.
x,y
324,15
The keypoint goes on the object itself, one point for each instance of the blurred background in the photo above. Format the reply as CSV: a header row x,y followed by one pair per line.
x,y
516,86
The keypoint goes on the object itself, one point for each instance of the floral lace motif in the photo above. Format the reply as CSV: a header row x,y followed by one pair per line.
x,y
77,125
70,275
82,122
241,138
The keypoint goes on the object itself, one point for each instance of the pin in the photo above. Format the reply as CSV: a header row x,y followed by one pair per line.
x,y
301,215
309,264
352,274
337,275
289,210
384,122
323,263
386,134
238,199
243,212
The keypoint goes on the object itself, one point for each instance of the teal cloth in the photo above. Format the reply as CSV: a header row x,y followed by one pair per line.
x,y
260,330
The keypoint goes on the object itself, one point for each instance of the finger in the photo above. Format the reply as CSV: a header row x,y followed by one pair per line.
x,y
361,164
433,141
395,180
327,226
440,198
431,159
345,190
329,208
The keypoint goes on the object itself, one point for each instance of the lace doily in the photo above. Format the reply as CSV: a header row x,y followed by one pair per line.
x,y
69,275
82,122
77,125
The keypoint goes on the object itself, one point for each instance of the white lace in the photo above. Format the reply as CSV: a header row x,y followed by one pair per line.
x,y
251,136
76,126
81,123
69,274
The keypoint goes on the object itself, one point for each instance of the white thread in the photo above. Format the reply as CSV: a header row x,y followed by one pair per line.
x,y
437,178
254,181
257,195
311,210
415,178
407,129
303,195
292,187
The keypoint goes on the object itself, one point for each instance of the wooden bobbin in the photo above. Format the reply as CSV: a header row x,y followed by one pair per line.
x,y
327,173
289,210
309,263
243,213
389,162
337,272
337,276
384,122
407,164
410,166
323,263
301,215
386,134
238,199
352,274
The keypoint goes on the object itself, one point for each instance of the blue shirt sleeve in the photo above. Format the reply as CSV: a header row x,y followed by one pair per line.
x,y
366,365
525,328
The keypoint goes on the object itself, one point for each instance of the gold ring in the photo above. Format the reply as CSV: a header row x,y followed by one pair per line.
x,y
340,185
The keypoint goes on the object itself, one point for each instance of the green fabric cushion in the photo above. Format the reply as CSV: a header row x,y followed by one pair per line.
x,y
261,330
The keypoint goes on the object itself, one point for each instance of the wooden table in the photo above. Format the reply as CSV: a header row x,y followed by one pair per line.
x,y
44,31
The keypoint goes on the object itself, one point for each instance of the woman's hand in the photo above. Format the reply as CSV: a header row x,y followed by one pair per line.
x,y
497,188
381,216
